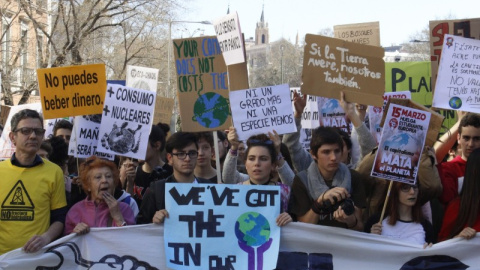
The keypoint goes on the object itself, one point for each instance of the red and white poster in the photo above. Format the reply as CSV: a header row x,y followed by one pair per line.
x,y
401,145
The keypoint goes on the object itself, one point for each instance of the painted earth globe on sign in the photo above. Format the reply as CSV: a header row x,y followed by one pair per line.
x,y
252,229
403,141
455,103
211,110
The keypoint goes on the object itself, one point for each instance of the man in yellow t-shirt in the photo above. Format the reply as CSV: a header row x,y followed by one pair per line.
x,y
33,205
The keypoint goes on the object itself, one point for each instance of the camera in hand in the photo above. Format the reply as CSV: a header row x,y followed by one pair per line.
x,y
347,205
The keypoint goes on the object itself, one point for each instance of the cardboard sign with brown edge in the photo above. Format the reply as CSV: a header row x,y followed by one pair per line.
x,y
362,33
163,110
202,84
436,119
72,90
468,28
332,65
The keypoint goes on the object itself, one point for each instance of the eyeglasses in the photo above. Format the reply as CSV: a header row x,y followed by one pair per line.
x,y
406,187
183,155
27,131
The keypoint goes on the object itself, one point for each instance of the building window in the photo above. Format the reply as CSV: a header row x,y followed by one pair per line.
x,y
263,39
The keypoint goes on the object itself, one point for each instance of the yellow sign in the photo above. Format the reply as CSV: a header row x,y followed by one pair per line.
x,y
73,90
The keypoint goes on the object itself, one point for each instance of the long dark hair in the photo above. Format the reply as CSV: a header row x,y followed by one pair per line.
x,y
394,202
470,195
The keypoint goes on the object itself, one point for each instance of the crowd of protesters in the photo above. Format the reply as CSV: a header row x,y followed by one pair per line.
x,y
328,184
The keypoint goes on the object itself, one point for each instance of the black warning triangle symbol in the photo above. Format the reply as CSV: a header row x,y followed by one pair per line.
x,y
18,197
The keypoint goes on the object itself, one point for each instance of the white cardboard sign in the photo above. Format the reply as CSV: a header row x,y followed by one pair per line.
x,y
260,110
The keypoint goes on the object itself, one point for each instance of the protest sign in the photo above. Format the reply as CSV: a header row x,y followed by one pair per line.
x,y
163,110
436,119
128,114
375,113
202,84
260,110
241,217
468,28
332,65
332,114
310,115
401,146
85,137
230,39
71,91
415,77
50,124
303,246
458,81
6,146
362,33
142,78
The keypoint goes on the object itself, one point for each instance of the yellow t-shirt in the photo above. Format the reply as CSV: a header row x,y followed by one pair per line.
x,y
27,196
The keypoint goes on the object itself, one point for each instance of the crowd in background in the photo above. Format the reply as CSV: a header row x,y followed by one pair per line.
x,y
328,184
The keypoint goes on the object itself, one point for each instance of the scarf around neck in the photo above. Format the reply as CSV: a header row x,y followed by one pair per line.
x,y
316,184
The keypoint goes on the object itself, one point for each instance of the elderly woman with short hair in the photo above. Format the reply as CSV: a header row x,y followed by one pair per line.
x,y
100,209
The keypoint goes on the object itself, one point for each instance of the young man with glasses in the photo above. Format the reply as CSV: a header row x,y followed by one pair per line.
x,y
182,153
33,190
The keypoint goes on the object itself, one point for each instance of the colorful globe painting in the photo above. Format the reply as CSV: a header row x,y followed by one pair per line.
x,y
211,110
455,103
252,229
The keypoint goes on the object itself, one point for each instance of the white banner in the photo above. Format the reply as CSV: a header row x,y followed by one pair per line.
x,y
303,246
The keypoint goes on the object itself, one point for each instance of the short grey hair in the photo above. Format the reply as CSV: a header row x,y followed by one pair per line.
x,y
23,114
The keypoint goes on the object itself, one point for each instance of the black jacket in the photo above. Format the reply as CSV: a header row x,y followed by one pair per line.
x,y
154,199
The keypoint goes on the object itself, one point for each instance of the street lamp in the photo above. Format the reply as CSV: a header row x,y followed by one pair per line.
x,y
169,51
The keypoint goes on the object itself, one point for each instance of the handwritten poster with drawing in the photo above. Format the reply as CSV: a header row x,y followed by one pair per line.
x,y
332,65
260,110
85,137
71,91
126,121
7,148
142,78
332,114
202,84
221,226
375,113
229,37
468,28
401,146
458,81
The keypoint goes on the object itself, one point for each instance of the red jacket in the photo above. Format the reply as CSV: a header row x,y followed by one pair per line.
x,y
449,174
449,219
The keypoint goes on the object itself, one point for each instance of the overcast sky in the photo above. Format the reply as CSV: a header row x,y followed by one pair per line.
x,y
398,19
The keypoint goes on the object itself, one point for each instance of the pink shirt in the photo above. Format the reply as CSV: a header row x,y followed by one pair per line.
x,y
95,215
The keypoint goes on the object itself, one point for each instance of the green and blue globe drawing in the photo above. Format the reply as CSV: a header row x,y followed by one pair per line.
x,y
455,103
211,110
252,229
